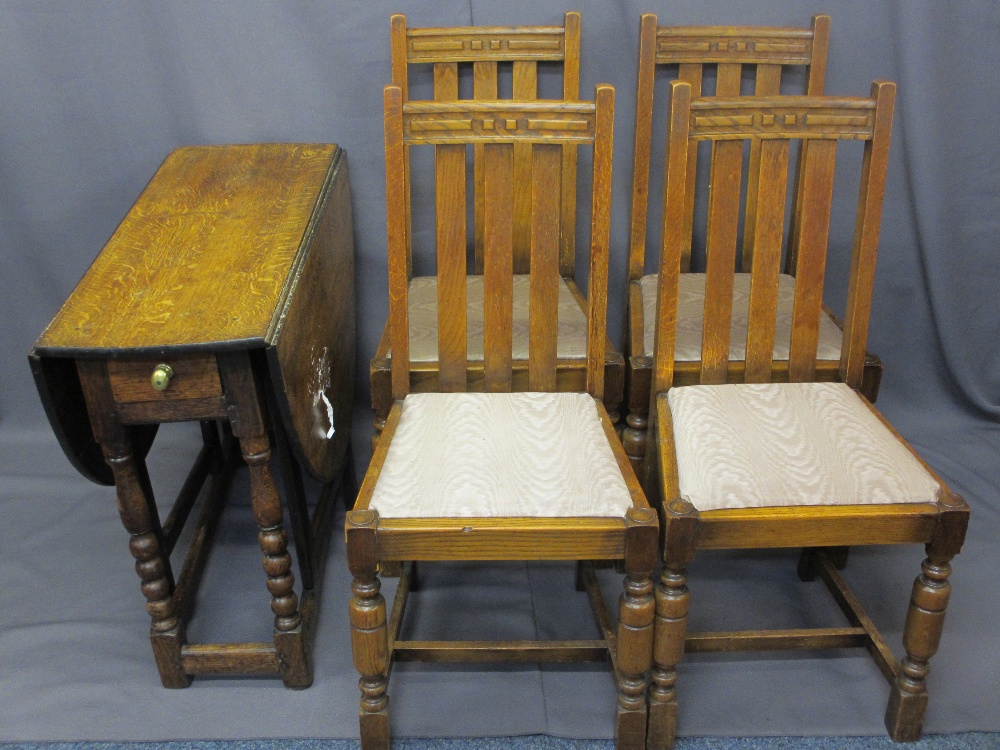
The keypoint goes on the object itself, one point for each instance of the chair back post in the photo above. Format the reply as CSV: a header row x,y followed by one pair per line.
x,y
484,48
729,48
642,145
571,93
816,78
673,238
866,231
600,239
397,48
398,240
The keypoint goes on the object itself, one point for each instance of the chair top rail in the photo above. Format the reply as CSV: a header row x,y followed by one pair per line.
x,y
506,121
489,43
850,118
742,44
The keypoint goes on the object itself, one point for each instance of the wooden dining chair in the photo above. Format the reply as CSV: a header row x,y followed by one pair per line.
x,y
494,52
747,462
694,54
464,473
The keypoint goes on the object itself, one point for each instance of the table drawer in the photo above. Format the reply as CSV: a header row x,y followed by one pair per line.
x,y
190,377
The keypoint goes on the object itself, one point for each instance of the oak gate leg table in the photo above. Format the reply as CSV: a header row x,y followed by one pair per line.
x,y
226,296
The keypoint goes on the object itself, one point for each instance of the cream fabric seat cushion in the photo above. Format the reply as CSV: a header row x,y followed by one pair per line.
x,y
750,446
423,309
500,454
691,319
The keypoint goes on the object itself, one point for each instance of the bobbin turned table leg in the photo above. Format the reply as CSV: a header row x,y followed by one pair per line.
x,y
137,510
250,427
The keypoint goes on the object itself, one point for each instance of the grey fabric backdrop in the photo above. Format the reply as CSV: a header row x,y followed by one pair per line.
x,y
93,96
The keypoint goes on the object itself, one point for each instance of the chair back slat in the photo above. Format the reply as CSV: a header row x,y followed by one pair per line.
x,y
498,270
484,47
543,303
768,84
765,223
545,127
449,192
449,196
485,86
728,79
729,49
816,198
525,86
692,73
445,81
729,124
720,255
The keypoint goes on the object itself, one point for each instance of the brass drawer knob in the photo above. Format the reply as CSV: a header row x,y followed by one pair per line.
x,y
161,377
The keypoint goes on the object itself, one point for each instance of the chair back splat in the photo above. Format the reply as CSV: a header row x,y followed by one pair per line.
x,y
486,48
731,50
499,128
774,123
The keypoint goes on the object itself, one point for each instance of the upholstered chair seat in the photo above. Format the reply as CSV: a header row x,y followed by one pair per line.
x,y
691,319
775,444
481,455
423,308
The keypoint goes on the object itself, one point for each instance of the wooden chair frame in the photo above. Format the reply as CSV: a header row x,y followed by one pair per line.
x,y
485,47
940,526
375,543
691,49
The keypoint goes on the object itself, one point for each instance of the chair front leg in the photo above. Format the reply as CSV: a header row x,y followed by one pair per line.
x,y
904,716
672,599
636,610
369,631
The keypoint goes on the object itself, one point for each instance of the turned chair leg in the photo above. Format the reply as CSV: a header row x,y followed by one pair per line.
x,y
369,631
904,716
634,436
672,600
635,644
636,612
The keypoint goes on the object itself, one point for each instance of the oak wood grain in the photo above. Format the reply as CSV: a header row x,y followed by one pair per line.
x,y
214,211
451,242
498,281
